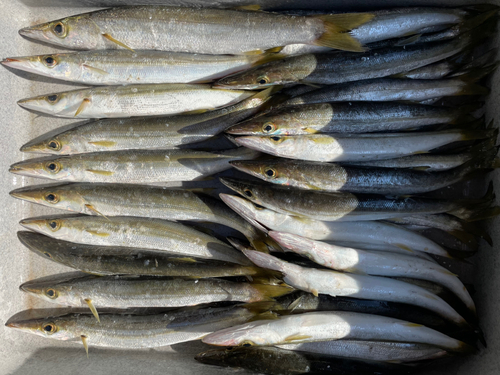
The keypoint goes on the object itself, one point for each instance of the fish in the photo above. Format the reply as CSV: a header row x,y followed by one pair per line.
x,y
333,283
344,206
149,132
395,21
331,325
336,68
157,235
394,352
132,166
372,235
129,331
376,263
131,291
133,100
138,200
196,30
392,89
358,147
433,162
331,177
356,117
119,260
121,67
277,361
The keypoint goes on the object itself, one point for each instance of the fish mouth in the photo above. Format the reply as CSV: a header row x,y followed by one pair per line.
x,y
233,185
244,167
10,61
23,170
254,143
27,288
244,208
32,224
33,31
25,194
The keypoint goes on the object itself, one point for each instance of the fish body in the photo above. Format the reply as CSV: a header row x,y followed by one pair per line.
x,y
145,132
376,263
359,117
276,361
335,68
330,177
122,67
133,100
160,236
320,281
373,235
196,30
116,260
129,331
357,147
136,200
371,350
132,166
335,206
390,89
125,292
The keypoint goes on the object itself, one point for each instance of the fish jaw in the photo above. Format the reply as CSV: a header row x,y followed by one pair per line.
x,y
56,328
29,64
64,104
36,225
28,168
244,208
52,195
249,168
256,143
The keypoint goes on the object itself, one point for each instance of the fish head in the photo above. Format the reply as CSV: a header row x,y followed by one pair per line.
x,y
62,196
47,247
53,168
50,291
63,104
273,171
59,328
254,192
277,122
75,32
54,142
65,227
55,66
275,145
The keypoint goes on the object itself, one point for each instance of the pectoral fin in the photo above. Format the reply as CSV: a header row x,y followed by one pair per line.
x,y
84,341
93,209
92,308
84,105
294,338
97,70
110,38
103,143
104,173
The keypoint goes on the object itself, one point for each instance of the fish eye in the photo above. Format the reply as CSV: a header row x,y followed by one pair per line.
x,y
268,127
263,80
49,328
54,145
248,193
247,344
47,255
270,172
276,139
59,29
52,198
49,61
51,293
53,166
52,98
54,225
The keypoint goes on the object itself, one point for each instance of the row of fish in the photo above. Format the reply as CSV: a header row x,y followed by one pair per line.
x,y
331,261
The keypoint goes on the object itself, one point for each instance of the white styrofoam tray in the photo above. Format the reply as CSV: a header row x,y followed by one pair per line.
x,y
24,354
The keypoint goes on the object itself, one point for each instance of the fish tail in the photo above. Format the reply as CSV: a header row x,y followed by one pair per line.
x,y
270,292
465,348
478,209
472,22
470,135
337,27
475,74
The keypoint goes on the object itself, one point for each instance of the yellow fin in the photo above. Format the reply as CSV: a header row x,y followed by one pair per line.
x,y
104,173
337,25
252,7
184,259
110,38
310,130
404,247
323,140
254,52
92,308
274,50
294,338
97,70
96,233
84,105
269,292
268,315
93,209
103,143
85,345
312,187
315,292
412,325
268,57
